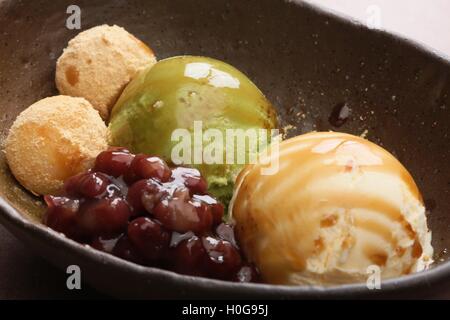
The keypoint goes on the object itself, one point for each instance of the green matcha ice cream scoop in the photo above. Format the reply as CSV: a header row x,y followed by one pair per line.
x,y
186,109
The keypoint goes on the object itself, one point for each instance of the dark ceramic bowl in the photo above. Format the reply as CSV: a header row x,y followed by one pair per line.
x,y
305,60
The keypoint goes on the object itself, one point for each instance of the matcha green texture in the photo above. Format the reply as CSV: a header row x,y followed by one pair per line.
x,y
173,94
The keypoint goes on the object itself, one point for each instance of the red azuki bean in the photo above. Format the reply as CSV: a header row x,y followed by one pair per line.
x,y
188,257
145,194
105,217
182,214
197,185
125,250
191,178
62,216
89,185
175,223
145,167
149,238
114,162
217,209
223,260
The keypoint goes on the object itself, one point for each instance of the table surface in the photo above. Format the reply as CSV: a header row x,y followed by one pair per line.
x,y
23,275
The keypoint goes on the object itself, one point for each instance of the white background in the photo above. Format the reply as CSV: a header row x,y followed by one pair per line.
x,y
426,21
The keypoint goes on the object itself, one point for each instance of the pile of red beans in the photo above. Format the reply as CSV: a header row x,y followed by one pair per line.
x,y
138,208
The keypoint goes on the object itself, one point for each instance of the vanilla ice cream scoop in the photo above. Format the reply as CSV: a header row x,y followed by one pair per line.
x,y
337,205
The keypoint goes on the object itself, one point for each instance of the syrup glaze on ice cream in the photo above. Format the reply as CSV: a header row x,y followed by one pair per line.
x,y
337,205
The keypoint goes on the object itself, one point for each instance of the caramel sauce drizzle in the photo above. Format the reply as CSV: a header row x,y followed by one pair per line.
x,y
305,155
329,221
376,256
300,150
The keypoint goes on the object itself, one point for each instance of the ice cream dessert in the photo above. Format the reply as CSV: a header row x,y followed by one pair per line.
x,y
52,140
177,93
337,205
332,206
98,63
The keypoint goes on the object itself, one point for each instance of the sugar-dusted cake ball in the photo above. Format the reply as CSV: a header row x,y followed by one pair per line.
x,y
98,63
53,139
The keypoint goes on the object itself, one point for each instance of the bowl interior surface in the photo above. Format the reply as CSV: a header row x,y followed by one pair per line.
x,y
306,62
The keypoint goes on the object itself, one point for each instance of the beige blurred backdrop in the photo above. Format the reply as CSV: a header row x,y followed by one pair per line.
x,y
426,21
